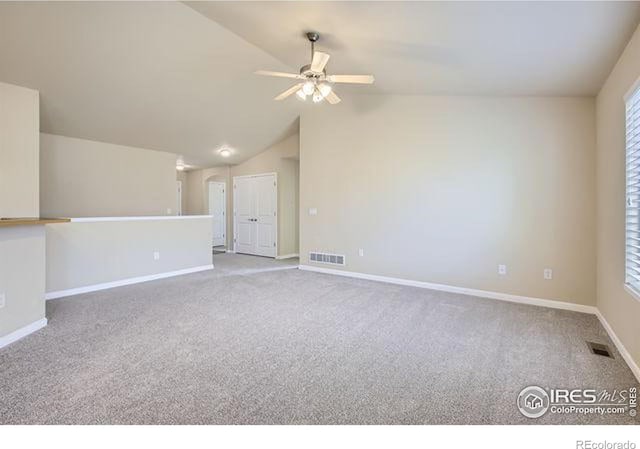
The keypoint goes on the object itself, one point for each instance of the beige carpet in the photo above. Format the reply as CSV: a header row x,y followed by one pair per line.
x,y
242,345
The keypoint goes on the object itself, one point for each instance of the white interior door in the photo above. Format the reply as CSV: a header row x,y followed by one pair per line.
x,y
217,208
243,205
255,219
266,199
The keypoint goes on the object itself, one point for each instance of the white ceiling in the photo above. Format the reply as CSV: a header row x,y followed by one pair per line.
x,y
476,48
179,78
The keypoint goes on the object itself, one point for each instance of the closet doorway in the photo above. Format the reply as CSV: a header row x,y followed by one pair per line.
x,y
255,214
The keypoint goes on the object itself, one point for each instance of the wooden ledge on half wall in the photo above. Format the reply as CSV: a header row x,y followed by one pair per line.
x,y
30,221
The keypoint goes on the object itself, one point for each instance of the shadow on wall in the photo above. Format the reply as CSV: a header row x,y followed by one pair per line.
x,y
370,104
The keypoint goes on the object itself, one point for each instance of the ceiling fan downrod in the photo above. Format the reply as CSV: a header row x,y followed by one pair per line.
x,y
313,37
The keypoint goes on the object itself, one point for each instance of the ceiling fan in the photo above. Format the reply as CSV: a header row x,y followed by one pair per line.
x,y
315,81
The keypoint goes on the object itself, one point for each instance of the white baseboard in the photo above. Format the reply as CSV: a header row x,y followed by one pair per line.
x,y
461,290
129,281
288,256
22,332
635,369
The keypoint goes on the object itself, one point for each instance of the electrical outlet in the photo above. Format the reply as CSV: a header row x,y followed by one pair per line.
x,y
502,270
169,211
156,255
361,252
313,211
548,273
2,300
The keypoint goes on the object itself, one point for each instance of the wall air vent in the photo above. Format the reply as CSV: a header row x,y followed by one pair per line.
x,y
333,259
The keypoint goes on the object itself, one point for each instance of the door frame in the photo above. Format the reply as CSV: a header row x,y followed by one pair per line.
x,y
179,186
235,231
224,208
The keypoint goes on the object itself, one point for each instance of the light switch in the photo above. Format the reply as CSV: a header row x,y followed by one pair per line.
x,y
313,211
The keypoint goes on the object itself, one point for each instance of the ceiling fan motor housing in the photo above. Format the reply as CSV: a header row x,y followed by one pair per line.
x,y
305,70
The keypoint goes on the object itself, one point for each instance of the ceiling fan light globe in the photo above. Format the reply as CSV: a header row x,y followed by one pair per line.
x,y
325,89
308,87
225,153
301,95
317,97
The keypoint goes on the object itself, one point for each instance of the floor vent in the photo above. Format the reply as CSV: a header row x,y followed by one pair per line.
x,y
333,259
599,349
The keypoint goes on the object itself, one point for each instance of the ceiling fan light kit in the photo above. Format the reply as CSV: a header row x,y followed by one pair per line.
x,y
315,81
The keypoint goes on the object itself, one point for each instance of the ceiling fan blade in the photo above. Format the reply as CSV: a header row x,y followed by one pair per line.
x,y
279,74
332,98
353,79
289,91
319,61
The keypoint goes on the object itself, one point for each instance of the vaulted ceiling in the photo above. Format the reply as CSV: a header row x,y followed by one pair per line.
x,y
179,77
154,75
456,48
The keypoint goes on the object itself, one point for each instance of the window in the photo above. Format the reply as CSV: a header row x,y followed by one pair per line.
x,y
632,265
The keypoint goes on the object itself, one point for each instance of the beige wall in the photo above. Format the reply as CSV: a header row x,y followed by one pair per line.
x,y
22,276
618,307
84,178
443,189
19,127
281,158
81,254
22,270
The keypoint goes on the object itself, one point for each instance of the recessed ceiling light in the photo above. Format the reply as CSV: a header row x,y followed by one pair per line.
x,y
225,152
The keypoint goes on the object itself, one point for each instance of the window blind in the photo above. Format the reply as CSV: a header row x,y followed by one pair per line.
x,y
632,232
